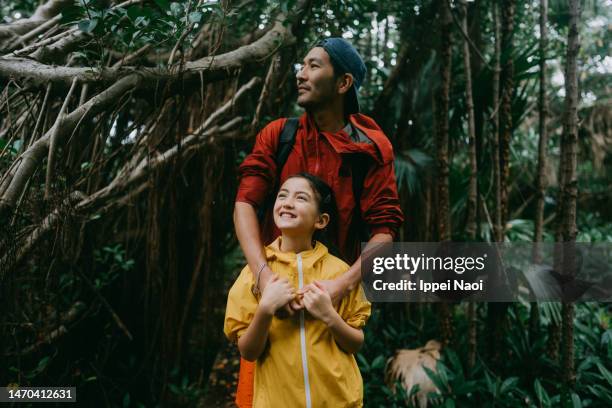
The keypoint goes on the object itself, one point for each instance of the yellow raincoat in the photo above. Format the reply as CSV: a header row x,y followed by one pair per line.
x,y
301,366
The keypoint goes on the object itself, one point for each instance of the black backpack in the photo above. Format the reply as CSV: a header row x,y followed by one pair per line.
x,y
285,145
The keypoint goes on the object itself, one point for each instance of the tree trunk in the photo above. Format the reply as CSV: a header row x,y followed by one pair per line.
x,y
507,87
570,187
442,108
542,151
442,158
473,183
386,53
497,312
480,102
554,339
469,105
542,146
498,230
472,335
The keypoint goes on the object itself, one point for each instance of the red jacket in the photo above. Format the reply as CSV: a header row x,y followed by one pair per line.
x,y
320,153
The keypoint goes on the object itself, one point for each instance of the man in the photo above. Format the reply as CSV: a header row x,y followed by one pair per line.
x,y
331,134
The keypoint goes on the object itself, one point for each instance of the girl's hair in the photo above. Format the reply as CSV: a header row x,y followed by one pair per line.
x,y
326,202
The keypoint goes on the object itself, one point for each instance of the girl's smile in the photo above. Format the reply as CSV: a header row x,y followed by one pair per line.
x,y
299,211
295,209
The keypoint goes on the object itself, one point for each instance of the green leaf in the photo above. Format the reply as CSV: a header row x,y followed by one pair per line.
x,y
378,363
16,145
176,8
218,11
195,17
87,26
409,166
508,384
587,363
576,403
141,20
491,386
388,392
443,373
364,365
541,393
126,400
411,392
435,378
455,363
606,337
43,363
604,371
601,392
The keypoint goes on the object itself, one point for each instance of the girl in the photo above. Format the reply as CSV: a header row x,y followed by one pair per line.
x,y
306,360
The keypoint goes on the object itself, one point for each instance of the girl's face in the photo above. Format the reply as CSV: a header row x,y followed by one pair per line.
x,y
296,209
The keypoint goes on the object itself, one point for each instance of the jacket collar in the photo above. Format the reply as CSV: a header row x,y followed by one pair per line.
x,y
309,257
381,150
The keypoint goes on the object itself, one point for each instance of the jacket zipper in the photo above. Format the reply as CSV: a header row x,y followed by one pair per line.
x,y
303,337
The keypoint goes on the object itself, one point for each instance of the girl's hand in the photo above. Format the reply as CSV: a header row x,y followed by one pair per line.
x,y
318,302
336,288
278,293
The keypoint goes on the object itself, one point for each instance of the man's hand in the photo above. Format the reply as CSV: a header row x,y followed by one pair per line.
x,y
318,303
278,293
336,289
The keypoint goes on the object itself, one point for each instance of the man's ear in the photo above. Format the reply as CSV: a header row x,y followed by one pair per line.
x,y
344,83
322,221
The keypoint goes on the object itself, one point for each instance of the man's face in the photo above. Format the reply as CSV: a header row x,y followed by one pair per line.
x,y
315,80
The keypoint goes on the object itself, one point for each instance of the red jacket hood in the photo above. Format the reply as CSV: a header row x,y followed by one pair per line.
x,y
381,149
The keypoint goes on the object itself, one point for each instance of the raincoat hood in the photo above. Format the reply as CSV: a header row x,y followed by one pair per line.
x,y
309,257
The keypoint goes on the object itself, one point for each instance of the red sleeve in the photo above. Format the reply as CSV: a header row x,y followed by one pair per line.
x,y
257,173
380,205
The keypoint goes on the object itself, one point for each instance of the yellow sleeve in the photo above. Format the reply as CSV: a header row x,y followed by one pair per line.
x,y
355,308
241,306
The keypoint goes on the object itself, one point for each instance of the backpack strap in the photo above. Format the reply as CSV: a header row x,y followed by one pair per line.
x,y
360,165
285,145
359,169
